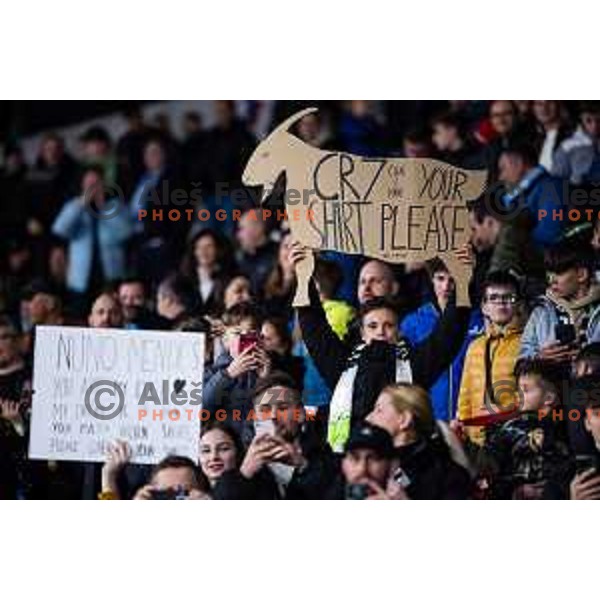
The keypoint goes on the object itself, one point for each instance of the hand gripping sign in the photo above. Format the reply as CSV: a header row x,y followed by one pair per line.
x,y
393,209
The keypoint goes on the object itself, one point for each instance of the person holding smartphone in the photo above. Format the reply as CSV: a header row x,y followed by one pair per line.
x,y
367,467
567,317
231,380
287,458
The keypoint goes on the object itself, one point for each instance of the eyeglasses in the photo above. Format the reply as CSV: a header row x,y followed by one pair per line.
x,y
502,298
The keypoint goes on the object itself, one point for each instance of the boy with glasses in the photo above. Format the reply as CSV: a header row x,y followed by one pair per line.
x,y
488,388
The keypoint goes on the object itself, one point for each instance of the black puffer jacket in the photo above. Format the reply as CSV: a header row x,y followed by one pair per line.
x,y
309,483
429,473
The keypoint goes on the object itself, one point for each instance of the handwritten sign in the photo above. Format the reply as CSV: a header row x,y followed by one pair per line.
x,y
91,387
397,210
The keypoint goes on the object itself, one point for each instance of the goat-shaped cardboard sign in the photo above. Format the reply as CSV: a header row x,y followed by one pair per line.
x,y
393,209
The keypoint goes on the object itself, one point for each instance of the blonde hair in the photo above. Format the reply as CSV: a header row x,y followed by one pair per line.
x,y
415,400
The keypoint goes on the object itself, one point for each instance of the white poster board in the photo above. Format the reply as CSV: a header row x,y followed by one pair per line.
x,y
92,386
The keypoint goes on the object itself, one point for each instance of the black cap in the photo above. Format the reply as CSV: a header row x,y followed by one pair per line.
x,y
372,437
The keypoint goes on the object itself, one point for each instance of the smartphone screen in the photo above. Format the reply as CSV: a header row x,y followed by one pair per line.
x,y
565,334
247,340
264,426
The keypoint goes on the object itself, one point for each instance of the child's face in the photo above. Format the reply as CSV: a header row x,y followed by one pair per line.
x,y
443,285
499,304
233,333
534,393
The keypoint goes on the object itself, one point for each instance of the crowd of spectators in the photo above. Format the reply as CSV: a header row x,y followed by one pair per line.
x,y
398,392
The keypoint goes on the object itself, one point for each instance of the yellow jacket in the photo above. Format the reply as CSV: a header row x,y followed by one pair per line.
x,y
504,349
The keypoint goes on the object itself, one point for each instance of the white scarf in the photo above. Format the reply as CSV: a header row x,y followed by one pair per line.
x,y
340,410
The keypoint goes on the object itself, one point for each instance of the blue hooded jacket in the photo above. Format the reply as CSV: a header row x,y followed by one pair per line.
x,y
418,326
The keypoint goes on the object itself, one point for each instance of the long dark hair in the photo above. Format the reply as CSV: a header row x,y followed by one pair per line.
x,y
214,425
224,258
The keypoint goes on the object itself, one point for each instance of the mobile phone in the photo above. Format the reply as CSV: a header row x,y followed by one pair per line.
x,y
247,340
565,333
401,478
264,426
357,491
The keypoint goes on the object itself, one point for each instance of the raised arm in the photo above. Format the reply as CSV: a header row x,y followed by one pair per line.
x,y
436,353
325,348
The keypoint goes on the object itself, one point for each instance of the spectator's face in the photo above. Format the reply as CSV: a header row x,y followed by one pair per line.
x,y
592,423
567,284
132,299
380,324
284,253
205,251
18,259
443,285
308,127
484,234
280,405
91,186
237,291
57,264
154,158
52,152
415,149
546,112
175,478
105,312
534,393
360,108
511,168
375,281
233,335
499,304
251,232
363,465
95,149
385,415
43,309
523,106
168,305
502,116
271,340
217,454
9,347
444,137
591,124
